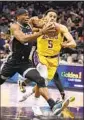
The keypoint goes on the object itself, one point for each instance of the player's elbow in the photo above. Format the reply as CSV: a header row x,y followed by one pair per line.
x,y
74,44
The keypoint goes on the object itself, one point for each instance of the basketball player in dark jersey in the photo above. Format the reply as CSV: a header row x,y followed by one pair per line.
x,y
18,60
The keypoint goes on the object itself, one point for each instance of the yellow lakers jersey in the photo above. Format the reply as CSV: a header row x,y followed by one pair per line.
x,y
49,46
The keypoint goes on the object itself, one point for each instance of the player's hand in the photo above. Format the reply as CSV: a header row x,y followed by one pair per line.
x,y
49,27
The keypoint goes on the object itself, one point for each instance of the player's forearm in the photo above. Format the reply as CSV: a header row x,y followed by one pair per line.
x,y
71,44
38,25
36,22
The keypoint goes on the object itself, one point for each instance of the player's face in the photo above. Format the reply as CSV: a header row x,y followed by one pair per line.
x,y
51,17
24,18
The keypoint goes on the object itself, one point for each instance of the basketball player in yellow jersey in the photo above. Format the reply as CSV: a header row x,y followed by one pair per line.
x,y
46,57
49,46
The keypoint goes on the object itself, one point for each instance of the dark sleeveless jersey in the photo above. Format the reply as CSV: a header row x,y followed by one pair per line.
x,y
20,50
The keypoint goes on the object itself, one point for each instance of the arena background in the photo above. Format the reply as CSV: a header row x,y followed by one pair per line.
x,y
71,70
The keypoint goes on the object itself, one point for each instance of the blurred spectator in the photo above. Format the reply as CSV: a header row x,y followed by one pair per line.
x,y
2,41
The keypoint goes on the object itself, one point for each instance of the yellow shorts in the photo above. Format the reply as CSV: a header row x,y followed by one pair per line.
x,y
51,64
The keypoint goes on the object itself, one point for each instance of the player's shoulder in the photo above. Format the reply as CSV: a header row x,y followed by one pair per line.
x,y
63,28
60,27
14,26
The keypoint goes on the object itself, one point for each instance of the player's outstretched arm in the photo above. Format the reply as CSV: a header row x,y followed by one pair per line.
x,y
22,37
70,40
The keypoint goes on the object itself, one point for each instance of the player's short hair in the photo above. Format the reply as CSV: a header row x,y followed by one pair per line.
x,y
50,10
20,11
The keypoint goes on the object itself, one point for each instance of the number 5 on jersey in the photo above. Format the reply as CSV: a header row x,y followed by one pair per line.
x,y
50,44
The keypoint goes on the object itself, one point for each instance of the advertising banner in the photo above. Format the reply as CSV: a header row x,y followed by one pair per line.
x,y
71,76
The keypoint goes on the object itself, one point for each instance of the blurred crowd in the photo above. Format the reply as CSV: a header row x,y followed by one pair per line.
x,y
70,13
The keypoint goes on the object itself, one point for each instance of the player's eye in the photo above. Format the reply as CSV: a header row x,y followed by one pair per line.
x,y
54,16
50,15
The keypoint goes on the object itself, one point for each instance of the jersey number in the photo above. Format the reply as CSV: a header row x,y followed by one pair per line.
x,y
50,44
